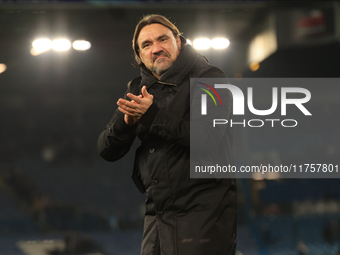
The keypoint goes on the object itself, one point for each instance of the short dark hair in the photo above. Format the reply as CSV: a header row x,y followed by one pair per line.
x,y
148,20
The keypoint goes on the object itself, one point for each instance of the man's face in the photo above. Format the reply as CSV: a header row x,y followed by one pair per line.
x,y
158,48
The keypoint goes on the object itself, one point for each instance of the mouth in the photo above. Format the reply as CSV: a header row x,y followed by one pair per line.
x,y
160,57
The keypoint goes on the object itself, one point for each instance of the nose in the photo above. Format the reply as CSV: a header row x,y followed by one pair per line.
x,y
156,47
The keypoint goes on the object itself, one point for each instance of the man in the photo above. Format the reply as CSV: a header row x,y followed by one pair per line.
x,y
183,215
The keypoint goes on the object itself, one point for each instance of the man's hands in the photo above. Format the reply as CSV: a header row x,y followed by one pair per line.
x,y
134,109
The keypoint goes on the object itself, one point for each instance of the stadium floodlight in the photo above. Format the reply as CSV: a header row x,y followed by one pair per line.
x,y
202,44
220,43
61,44
42,45
3,67
81,45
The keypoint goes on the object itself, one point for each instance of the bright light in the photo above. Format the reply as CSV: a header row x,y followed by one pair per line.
x,y
41,45
189,42
3,68
202,44
81,45
61,45
257,176
220,43
254,66
35,52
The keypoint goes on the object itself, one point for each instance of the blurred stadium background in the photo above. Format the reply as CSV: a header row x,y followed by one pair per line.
x,y
58,197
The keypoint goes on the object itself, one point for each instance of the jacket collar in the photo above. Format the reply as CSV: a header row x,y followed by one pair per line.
x,y
177,72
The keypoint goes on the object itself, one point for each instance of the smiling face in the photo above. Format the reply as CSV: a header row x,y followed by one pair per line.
x,y
158,48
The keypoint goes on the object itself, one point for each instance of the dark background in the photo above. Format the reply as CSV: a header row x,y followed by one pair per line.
x,y
53,107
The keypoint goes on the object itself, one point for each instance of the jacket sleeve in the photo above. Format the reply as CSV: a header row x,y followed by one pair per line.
x,y
199,129
116,138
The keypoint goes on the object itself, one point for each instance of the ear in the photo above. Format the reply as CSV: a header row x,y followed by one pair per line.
x,y
179,42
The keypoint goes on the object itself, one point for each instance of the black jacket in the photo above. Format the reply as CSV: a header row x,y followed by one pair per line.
x,y
183,215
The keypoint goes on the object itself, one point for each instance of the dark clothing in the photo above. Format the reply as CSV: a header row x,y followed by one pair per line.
x,y
183,216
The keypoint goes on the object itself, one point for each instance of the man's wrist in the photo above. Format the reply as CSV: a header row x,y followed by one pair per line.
x,y
149,116
121,127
